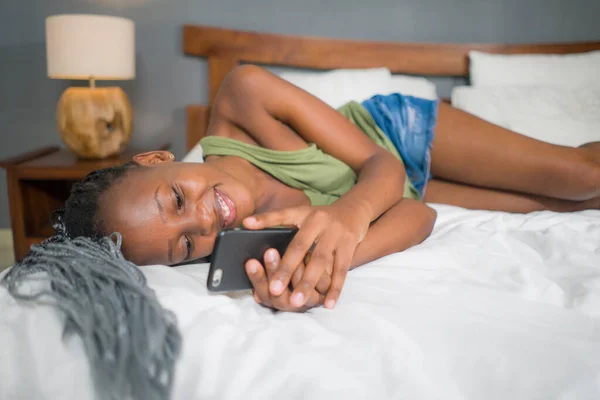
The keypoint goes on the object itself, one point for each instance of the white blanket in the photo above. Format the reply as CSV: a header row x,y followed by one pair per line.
x,y
491,306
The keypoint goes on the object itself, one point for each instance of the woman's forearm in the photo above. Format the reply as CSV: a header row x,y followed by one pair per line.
x,y
406,224
380,186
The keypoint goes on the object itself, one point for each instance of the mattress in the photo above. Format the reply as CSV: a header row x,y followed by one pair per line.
x,y
492,306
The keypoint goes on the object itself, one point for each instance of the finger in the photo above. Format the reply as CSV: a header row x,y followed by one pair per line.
x,y
298,275
341,264
271,258
256,298
256,274
324,283
284,217
294,255
281,302
314,300
321,256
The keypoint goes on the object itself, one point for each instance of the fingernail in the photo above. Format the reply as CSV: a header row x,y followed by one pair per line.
x,y
297,299
330,303
276,287
252,268
250,220
270,256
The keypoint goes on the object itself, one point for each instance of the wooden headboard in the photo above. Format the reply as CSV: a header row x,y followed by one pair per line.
x,y
226,48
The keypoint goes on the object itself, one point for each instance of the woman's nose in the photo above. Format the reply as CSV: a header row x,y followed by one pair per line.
x,y
201,220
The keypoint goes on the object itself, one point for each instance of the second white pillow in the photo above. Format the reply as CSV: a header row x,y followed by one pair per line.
x,y
567,117
567,71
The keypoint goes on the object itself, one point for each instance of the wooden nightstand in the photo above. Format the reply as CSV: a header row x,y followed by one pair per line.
x,y
39,182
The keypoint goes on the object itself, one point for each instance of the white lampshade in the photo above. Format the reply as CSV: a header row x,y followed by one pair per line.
x,y
90,46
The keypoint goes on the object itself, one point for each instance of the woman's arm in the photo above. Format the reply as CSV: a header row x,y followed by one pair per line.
x,y
274,113
406,224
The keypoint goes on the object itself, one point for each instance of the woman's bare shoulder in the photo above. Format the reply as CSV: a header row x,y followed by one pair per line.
x,y
241,112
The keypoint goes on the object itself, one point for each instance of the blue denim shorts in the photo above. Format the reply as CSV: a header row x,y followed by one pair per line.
x,y
408,122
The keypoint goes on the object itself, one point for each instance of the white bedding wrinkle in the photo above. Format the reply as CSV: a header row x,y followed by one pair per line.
x,y
492,306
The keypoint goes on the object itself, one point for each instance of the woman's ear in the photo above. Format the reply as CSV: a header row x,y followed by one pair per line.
x,y
153,158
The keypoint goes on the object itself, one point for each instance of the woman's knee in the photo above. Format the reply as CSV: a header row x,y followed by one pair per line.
x,y
245,78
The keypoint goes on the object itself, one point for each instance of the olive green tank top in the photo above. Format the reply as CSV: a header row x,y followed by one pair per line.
x,y
323,178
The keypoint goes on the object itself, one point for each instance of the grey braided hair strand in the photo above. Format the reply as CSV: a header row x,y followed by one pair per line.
x,y
131,342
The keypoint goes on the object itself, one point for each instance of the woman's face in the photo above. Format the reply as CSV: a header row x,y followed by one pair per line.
x,y
170,212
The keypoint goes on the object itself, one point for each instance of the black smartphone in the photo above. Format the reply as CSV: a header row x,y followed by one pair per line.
x,y
234,247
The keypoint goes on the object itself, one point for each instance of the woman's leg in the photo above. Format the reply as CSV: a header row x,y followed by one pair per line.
x,y
439,191
469,150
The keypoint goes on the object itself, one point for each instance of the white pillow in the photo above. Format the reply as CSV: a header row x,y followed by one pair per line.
x,y
568,117
337,87
412,86
567,71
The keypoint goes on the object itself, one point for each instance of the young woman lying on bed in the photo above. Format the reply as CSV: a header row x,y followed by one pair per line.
x,y
352,180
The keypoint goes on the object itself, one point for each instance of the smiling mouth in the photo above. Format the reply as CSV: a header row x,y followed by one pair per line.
x,y
225,208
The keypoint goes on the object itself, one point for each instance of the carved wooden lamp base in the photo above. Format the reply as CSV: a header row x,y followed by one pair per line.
x,y
95,123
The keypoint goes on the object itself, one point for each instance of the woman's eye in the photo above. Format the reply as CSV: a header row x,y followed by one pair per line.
x,y
188,245
178,199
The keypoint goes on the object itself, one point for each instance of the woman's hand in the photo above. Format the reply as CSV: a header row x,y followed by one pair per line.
x,y
329,235
260,277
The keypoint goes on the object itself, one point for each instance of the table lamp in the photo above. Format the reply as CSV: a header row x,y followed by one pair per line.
x,y
94,122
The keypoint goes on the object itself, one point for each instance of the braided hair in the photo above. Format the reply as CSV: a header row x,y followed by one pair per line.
x,y
131,342
79,215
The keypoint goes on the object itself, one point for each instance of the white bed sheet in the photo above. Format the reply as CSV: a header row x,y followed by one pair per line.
x,y
491,306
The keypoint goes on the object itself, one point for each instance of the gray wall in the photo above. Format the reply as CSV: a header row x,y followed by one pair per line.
x,y
167,81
